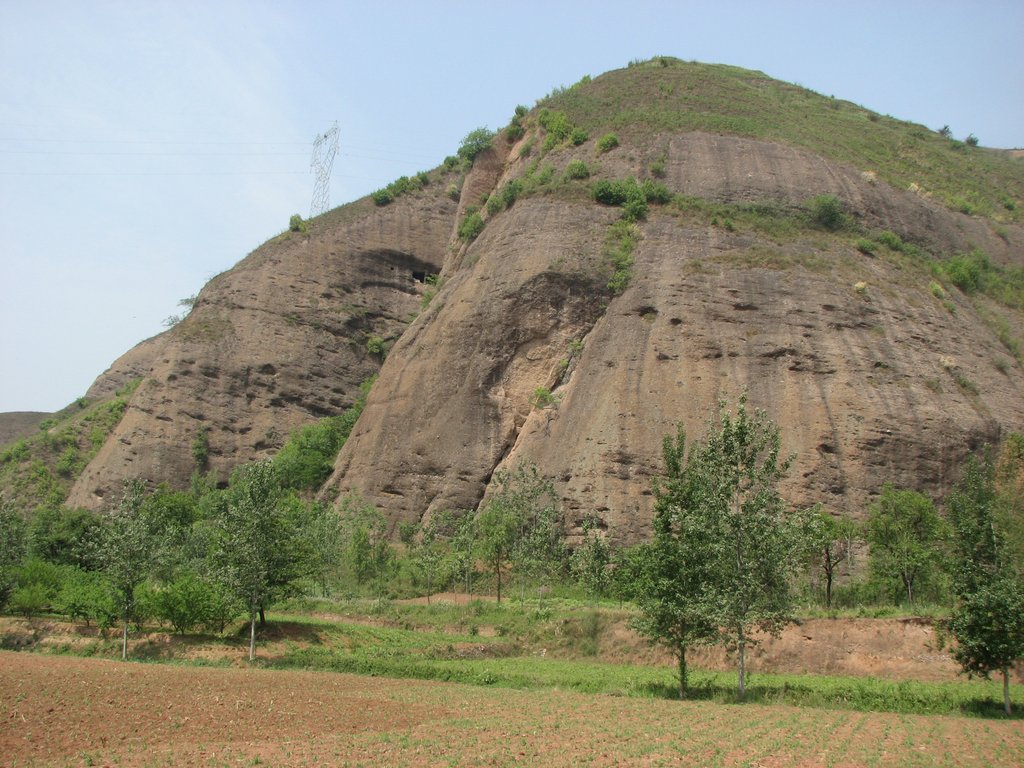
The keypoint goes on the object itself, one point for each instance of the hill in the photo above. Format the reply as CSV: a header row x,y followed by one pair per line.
x,y
621,257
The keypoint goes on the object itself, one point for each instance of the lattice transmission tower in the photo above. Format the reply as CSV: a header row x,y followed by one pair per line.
x,y
325,147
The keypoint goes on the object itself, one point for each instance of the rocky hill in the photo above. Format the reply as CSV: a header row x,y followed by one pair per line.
x,y
862,278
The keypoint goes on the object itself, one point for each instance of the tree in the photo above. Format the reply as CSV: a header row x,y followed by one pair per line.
x,y
475,142
904,533
754,543
430,547
369,549
591,561
255,546
323,544
12,547
724,530
988,619
465,537
829,544
520,527
673,574
126,550
65,536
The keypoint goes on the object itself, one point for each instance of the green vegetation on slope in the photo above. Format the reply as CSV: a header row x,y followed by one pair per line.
x,y
39,471
667,96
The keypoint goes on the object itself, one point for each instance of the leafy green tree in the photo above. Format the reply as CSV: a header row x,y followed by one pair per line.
x,y
520,527
431,546
323,544
127,545
829,544
255,546
988,618
725,531
29,600
905,535
591,561
186,603
675,574
65,536
86,595
464,546
754,544
474,143
12,547
365,534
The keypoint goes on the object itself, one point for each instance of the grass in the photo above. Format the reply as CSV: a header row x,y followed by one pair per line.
x,y
594,677
651,98
538,645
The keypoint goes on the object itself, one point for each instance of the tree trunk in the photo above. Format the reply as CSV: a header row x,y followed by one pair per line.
x,y
682,671
743,662
124,642
1006,690
252,635
829,568
263,617
497,571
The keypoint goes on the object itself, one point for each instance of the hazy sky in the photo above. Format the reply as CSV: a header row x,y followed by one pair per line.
x,y
146,146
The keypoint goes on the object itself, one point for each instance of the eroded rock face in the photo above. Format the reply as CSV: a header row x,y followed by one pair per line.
x,y
870,377
275,342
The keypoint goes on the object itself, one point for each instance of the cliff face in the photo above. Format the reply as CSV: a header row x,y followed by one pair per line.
x,y
874,372
277,341
862,379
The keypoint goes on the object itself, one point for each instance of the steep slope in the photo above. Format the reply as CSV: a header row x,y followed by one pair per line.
x,y
277,341
872,377
563,336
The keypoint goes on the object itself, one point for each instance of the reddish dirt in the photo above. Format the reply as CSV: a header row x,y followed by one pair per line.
x,y
57,710
899,649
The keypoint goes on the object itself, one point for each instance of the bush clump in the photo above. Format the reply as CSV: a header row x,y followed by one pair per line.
x,y
472,225
827,211
607,143
656,192
618,249
475,142
577,169
633,198
505,197
400,186
296,224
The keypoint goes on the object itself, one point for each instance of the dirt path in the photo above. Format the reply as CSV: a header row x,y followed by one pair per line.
x,y
72,711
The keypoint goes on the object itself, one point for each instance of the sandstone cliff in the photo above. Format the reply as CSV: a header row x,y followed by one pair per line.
x,y
876,370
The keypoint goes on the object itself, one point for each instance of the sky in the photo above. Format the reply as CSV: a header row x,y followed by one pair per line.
x,y
147,146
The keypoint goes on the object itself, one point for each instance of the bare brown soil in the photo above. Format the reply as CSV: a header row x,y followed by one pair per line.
x,y
72,711
899,649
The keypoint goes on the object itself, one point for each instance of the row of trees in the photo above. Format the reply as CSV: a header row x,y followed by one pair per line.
x,y
725,550
725,561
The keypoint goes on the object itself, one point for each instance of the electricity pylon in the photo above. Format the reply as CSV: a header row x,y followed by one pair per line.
x,y
325,147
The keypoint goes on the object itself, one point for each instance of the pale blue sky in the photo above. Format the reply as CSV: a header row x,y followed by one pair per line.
x,y
146,146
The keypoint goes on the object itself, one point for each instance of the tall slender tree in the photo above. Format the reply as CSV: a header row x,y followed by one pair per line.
x,y
256,548
673,574
126,547
988,618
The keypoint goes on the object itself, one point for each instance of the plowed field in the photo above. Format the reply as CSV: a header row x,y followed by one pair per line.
x,y
73,711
